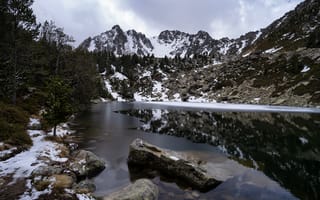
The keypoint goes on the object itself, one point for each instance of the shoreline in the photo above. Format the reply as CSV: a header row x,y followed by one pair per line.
x,y
19,172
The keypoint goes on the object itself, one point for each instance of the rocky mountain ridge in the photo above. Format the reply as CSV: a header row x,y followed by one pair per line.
x,y
168,43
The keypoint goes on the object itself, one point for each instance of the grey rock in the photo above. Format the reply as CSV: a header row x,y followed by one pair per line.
x,y
61,181
86,164
192,172
141,189
46,171
85,186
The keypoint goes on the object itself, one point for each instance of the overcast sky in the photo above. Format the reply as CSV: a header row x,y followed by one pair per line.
x,y
221,18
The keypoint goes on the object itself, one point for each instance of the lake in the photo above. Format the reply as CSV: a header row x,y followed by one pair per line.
x,y
277,153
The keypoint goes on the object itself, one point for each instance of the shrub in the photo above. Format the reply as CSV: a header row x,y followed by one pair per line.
x,y
13,124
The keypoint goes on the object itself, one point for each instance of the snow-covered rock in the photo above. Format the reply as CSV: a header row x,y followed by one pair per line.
x,y
86,164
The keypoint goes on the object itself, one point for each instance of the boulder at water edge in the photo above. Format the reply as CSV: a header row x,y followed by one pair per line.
x,y
194,173
141,189
86,164
85,186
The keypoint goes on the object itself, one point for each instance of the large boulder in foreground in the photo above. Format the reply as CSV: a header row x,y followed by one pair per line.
x,y
141,189
192,172
86,164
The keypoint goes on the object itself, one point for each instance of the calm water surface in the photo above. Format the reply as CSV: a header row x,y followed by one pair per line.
x,y
280,151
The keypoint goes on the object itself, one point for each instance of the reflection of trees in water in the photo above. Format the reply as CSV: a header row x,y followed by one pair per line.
x,y
284,146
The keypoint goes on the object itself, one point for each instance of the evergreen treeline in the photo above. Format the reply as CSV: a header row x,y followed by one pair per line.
x,y
31,56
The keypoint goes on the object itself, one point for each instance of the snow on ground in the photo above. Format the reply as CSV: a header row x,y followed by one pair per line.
x,y
165,76
103,73
305,69
161,49
6,152
303,140
146,74
63,129
24,163
119,76
273,50
33,122
158,93
177,97
257,37
214,62
113,68
84,197
236,107
114,95
256,100
32,193
159,90
138,97
246,55
92,46
225,48
103,99
194,99
243,45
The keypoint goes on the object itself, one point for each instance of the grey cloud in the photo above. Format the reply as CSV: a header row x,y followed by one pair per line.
x,y
185,15
84,18
191,16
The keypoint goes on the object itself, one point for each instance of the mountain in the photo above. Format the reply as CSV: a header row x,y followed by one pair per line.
x,y
119,42
279,64
167,43
297,28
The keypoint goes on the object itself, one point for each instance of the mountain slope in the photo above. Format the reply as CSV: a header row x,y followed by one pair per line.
x,y
297,28
119,42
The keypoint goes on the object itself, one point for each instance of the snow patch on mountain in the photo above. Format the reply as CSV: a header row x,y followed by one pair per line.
x,y
161,49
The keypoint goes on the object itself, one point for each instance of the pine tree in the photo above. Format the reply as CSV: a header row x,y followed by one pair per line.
x,y
18,25
58,107
57,40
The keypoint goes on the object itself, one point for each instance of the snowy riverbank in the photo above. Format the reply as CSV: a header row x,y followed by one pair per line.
x,y
42,153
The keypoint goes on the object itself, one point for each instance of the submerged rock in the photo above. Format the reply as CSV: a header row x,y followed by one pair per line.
x,y
86,164
195,173
141,189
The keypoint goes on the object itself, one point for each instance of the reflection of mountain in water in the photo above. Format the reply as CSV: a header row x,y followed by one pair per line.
x,y
283,146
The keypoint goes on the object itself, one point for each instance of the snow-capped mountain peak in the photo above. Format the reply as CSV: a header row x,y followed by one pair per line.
x,y
168,43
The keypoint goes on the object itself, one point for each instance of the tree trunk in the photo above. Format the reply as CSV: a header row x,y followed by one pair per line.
x,y
55,130
57,64
14,63
14,95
